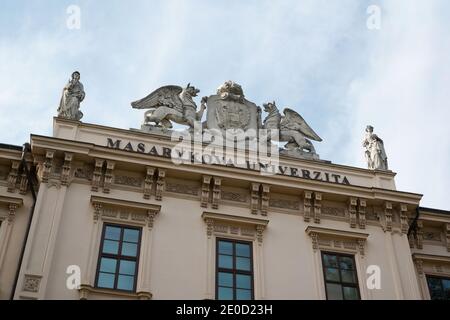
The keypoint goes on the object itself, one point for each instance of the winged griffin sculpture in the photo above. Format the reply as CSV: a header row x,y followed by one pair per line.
x,y
293,129
171,103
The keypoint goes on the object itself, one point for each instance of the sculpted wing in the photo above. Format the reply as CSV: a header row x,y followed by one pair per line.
x,y
167,96
293,121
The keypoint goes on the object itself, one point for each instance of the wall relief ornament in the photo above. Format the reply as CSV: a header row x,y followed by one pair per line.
x,y
228,115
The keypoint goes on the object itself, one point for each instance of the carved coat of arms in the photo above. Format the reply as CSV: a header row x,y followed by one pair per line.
x,y
229,110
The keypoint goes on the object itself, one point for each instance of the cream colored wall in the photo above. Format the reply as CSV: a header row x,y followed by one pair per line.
x,y
178,254
14,241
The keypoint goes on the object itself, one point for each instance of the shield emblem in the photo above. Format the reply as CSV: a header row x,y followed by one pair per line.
x,y
226,114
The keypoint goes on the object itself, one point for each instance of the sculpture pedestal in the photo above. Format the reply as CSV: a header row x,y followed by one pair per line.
x,y
297,153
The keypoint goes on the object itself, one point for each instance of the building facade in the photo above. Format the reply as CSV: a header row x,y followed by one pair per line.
x,y
110,206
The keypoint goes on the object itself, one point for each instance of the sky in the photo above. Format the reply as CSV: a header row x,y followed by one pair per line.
x,y
338,63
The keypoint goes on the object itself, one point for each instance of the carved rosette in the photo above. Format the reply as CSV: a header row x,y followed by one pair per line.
x,y
307,204
31,283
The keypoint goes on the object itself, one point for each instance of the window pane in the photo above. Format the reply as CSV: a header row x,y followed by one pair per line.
x,y
332,274
108,265
446,287
131,235
243,264
243,281
334,291
225,247
112,233
110,246
225,293
127,267
351,293
346,263
225,262
225,279
348,276
434,284
129,249
243,294
125,282
243,250
105,280
330,261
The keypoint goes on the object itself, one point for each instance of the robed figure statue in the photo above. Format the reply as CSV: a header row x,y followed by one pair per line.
x,y
73,94
375,153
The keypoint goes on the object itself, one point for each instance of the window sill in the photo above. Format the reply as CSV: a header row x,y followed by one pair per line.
x,y
99,293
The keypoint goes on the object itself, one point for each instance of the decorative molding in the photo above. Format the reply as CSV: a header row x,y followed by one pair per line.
x,y
404,218
86,290
206,186
338,239
216,192
160,184
12,205
265,197
388,215
317,206
65,174
84,172
23,186
108,176
254,201
12,211
447,236
234,196
31,283
333,211
284,203
97,175
234,225
148,182
307,203
419,267
12,177
362,213
137,212
48,164
128,181
182,188
419,234
352,204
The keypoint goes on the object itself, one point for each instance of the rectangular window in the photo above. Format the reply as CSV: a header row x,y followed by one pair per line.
x,y
234,270
118,259
439,288
341,280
